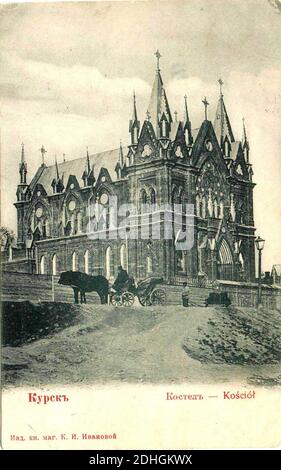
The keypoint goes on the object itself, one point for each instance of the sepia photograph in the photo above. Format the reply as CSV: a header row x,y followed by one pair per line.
x,y
140,223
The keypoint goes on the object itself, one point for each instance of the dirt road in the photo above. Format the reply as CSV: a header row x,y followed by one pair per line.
x,y
147,345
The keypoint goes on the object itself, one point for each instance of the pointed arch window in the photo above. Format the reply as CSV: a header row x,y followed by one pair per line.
x,y
204,206
43,265
153,196
123,257
135,135
54,265
72,222
183,198
143,197
108,263
79,222
216,212
174,196
86,261
74,261
47,228
180,192
241,261
210,204
221,209
227,148
143,200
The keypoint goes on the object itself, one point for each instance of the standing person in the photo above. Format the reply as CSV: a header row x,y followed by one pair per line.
x,y
185,295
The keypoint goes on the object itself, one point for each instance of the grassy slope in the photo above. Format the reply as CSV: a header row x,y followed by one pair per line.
x,y
167,344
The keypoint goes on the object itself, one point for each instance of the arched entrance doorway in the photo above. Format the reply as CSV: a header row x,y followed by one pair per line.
x,y
225,261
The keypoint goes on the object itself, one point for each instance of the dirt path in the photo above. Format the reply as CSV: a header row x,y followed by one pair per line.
x,y
143,345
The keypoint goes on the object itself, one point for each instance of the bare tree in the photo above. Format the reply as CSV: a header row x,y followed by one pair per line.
x,y
6,235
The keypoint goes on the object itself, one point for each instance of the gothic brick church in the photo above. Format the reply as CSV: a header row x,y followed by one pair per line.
x,y
166,162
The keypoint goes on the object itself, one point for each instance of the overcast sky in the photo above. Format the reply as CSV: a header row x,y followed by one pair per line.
x,y
67,73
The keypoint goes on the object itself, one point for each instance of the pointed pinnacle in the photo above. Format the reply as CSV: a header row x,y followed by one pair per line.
x,y
186,109
22,152
57,168
135,116
88,161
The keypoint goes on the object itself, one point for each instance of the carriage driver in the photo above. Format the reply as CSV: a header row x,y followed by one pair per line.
x,y
121,279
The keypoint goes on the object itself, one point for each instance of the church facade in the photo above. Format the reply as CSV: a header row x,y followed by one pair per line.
x,y
167,164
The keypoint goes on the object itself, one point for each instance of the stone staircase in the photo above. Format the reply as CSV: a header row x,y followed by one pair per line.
x,y
198,295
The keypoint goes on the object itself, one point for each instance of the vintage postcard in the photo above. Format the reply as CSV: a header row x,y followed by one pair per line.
x,y
140,224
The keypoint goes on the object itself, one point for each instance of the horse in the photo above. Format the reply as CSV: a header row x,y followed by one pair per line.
x,y
81,282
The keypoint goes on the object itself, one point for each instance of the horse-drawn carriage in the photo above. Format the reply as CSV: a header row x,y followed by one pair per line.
x,y
147,292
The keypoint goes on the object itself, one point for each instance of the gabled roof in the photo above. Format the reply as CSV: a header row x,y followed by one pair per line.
x,y
199,152
107,159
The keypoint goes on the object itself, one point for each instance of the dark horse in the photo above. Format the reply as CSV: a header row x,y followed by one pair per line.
x,y
81,282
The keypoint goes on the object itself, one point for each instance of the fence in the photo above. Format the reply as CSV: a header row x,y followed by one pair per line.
x,y
18,286
246,294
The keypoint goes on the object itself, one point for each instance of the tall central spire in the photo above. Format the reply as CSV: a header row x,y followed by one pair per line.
x,y
158,104
222,125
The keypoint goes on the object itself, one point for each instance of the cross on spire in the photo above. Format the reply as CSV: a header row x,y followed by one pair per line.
x,y
221,84
158,56
148,115
63,156
176,116
206,104
43,151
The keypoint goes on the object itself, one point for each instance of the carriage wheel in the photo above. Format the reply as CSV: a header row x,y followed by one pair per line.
x,y
158,297
145,301
127,299
116,300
